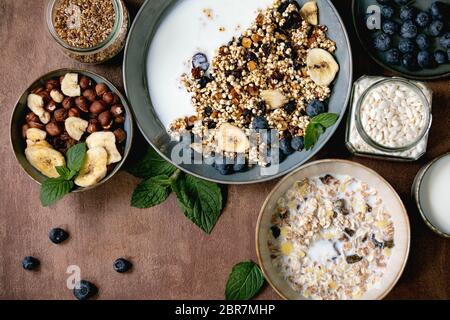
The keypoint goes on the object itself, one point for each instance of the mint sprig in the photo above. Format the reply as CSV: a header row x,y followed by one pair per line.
x,y
245,281
317,127
54,189
200,201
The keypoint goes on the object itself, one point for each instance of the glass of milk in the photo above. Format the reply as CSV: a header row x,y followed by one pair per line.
x,y
431,191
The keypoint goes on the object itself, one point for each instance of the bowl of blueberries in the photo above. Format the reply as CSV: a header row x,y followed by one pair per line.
x,y
410,38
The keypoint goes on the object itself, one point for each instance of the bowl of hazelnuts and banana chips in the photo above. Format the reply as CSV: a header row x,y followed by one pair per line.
x,y
72,125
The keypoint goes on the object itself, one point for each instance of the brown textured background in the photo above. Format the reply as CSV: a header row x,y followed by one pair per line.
x,y
172,258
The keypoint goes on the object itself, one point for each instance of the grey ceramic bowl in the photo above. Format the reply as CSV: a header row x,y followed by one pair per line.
x,y
20,110
135,79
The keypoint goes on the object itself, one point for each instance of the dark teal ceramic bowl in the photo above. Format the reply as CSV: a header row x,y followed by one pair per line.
x,y
135,79
20,110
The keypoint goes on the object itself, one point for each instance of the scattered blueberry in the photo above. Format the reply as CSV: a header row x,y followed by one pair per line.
x,y
423,41
440,10
315,107
387,11
58,235
84,290
440,57
275,232
122,265
424,59
30,263
204,81
285,146
200,60
407,13
390,27
409,61
401,2
445,40
260,123
406,45
436,28
298,143
423,19
393,57
408,30
290,107
382,42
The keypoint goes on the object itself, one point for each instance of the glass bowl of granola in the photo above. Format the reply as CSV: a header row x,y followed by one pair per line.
x,y
246,91
333,230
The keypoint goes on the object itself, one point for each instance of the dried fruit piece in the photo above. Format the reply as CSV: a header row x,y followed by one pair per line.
x,y
322,67
76,127
69,85
310,13
353,259
274,98
232,139
94,168
107,140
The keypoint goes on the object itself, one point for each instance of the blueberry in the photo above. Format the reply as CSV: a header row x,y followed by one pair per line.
x,y
223,165
436,28
382,42
122,265
407,13
58,235
275,231
285,146
293,21
401,2
424,59
84,290
387,11
314,108
207,111
290,107
260,123
440,10
284,5
423,41
30,263
445,40
204,81
406,45
200,60
440,57
423,19
408,30
298,143
409,61
393,57
390,27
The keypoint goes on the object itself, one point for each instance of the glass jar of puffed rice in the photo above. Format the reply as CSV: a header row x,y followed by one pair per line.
x,y
90,31
389,118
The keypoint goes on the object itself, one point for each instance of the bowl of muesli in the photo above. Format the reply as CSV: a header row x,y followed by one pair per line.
x,y
238,91
333,230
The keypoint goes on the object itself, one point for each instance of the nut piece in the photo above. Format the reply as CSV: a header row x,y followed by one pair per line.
x,y
108,97
51,106
119,120
74,113
98,107
101,89
53,129
31,117
82,104
36,104
51,84
90,95
69,85
121,135
60,115
117,110
76,127
93,126
68,103
36,125
85,82
57,96
105,119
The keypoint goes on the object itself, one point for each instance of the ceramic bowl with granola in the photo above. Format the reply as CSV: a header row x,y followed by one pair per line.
x,y
333,230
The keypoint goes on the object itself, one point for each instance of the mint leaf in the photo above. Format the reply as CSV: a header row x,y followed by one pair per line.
x,y
76,156
151,192
311,135
53,190
152,165
244,282
325,119
200,201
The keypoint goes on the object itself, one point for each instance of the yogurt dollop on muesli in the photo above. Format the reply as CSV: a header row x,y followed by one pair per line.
x,y
331,237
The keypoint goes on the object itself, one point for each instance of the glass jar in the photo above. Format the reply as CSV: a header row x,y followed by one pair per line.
x,y
361,143
66,20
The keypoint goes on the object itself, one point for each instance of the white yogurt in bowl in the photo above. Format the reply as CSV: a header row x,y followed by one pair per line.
x,y
191,26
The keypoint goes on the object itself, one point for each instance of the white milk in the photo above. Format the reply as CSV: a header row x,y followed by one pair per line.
x,y
190,27
435,194
322,251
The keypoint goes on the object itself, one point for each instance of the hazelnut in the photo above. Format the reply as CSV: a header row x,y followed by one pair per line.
x,y
101,89
90,95
105,119
117,110
68,103
37,125
121,135
57,96
60,115
74,113
98,107
51,84
25,127
82,103
45,95
38,90
51,106
85,83
119,120
108,97
31,117
65,136
53,129
93,126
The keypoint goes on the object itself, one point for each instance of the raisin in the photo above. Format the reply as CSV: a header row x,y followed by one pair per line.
x,y
251,56
204,81
262,106
266,48
208,111
275,232
353,259
327,179
350,232
389,244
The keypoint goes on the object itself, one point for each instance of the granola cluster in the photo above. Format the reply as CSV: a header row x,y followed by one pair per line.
x,y
331,237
